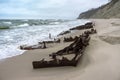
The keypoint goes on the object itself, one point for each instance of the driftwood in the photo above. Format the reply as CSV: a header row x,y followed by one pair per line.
x,y
31,47
69,39
77,48
57,62
79,43
41,45
86,26
55,41
65,32
92,31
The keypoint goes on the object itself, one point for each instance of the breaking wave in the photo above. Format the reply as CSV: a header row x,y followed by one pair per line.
x,y
20,32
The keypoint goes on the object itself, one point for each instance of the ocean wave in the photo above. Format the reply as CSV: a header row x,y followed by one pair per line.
x,y
21,25
4,27
54,23
25,32
9,23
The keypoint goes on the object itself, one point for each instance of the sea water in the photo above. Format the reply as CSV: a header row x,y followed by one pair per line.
x,y
14,33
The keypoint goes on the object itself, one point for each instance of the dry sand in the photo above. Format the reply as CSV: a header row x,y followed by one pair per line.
x,y
99,62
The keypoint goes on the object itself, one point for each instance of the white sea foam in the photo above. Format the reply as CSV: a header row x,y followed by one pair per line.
x,y
11,39
21,25
9,23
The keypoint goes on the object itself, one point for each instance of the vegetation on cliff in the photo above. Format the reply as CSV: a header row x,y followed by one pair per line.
x,y
109,10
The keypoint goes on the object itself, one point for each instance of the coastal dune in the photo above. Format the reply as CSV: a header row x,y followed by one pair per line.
x,y
99,62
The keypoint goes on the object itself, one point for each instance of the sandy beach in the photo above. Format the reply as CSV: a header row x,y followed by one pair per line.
x,y
99,62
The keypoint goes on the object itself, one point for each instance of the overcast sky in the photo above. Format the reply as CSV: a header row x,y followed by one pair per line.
x,y
46,9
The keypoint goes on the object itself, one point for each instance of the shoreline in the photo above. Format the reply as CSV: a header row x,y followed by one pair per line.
x,y
99,62
14,51
86,26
